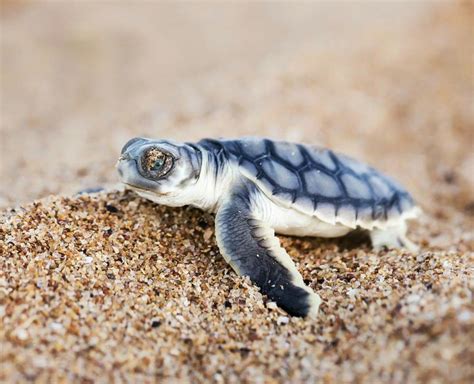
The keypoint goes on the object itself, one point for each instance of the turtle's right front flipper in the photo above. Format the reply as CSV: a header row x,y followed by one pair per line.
x,y
249,245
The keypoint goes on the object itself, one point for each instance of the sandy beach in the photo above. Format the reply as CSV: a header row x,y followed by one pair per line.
x,y
110,287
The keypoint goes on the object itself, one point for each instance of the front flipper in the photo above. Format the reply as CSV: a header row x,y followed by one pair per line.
x,y
249,245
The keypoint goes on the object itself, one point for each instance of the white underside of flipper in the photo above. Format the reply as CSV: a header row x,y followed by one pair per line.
x,y
267,235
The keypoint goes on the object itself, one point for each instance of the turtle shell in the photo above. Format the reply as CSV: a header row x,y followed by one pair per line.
x,y
319,182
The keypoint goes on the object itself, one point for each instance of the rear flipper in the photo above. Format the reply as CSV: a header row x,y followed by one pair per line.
x,y
249,245
392,237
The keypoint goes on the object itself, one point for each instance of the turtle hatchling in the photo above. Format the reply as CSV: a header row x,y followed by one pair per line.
x,y
257,187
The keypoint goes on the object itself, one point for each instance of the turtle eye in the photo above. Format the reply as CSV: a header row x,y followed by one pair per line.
x,y
156,163
156,166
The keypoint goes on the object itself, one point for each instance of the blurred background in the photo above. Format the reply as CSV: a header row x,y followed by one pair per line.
x,y
388,82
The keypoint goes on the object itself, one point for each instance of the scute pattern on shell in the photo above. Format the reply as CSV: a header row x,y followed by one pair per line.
x,y
317,181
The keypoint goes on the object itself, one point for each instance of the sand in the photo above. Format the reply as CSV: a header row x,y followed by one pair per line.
x,y
110,287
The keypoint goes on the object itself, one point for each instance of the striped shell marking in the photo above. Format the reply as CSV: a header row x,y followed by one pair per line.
x,y
318,182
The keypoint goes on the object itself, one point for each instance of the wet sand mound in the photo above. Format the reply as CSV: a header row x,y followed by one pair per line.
x,y
113,286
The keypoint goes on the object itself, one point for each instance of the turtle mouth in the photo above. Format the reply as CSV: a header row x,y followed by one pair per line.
x,y
132,186
140,189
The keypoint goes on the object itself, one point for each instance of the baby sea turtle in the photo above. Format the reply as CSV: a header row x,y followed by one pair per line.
x,y
258,187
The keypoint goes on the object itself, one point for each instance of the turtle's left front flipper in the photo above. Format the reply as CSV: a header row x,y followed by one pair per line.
x,y
249,245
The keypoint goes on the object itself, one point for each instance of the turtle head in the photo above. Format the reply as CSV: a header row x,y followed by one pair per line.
x,y
160,170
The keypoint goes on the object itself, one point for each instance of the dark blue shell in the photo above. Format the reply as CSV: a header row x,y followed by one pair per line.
x,y
317,181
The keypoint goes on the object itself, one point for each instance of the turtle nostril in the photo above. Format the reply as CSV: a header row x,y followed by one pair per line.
x,y
125,156
130,143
